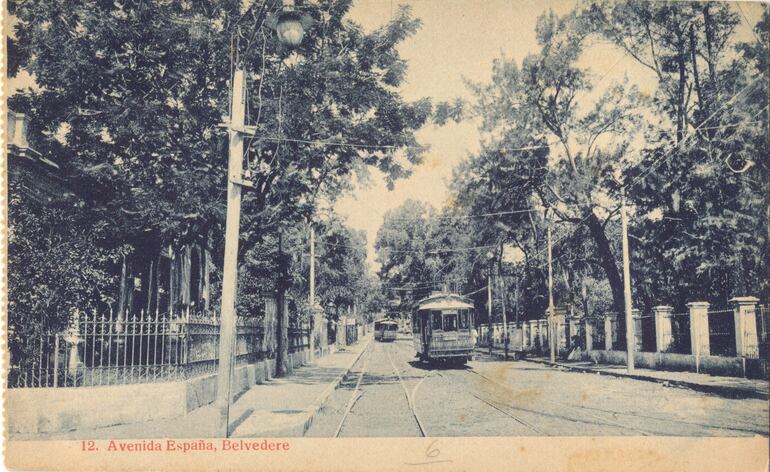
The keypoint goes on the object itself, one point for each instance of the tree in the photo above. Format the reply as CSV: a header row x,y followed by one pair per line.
x,y
133,95
547,156
341,271
700,187
420,250
59,264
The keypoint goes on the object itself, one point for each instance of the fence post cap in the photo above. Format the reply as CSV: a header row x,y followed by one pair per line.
x,y
698,305
744,300
663,308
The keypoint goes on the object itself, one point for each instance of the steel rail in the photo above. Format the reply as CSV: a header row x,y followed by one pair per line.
x,y
582,409
409,399
514,417
355,396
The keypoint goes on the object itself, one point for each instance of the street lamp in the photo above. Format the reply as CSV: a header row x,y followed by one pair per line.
x,y
290,28
289,24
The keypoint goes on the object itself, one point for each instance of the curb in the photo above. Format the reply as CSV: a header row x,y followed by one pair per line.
x,y
722,391
303,423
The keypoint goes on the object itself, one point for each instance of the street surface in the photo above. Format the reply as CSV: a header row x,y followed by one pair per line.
x,y
390,393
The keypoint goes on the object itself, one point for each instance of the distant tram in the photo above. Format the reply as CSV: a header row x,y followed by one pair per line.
x,y
385,330
441,326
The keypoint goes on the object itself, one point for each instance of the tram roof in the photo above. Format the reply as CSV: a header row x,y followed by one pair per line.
x,y
444,301
385,321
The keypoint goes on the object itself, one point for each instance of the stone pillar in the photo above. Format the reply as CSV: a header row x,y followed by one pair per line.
x,y
663,333
343,330
533,335
574,331
524,335
588,329
637,317
542,331
560,327
516,338
744,312
610,330
699,328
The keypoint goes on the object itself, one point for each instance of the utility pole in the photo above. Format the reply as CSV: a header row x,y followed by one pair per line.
x,y
230,270
282,315
489,309
505,318
552,330
630,339
311,296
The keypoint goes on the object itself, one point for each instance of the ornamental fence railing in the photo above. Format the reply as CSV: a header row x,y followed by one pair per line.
x,y
103,350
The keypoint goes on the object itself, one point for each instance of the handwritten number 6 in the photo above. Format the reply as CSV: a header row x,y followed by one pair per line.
x,y
431,451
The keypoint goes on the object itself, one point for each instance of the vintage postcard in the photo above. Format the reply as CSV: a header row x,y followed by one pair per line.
x,y
386,235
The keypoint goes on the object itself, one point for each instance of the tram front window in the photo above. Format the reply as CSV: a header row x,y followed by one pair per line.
x,y
435,317
450,322
463,319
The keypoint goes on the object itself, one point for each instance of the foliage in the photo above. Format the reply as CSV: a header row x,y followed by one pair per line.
x,y
58,264
416,249
700,189
698,204
141,88
132,95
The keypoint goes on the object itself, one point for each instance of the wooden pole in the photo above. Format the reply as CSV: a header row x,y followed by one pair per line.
x,y
489,309
551,327
311,296
630,339
230,271
505,317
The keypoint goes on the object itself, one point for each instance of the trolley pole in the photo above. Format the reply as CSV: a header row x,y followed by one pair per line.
x,y
551,327
630,338
230,271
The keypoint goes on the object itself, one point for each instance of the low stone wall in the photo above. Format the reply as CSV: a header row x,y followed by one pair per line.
x,y
48,410
714,365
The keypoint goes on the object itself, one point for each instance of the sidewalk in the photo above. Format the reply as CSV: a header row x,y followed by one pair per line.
x,y
282,407
731,387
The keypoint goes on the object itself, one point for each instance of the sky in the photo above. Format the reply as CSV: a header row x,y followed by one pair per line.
x,y
459,39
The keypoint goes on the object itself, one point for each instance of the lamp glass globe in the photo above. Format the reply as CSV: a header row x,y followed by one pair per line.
x,y
290,31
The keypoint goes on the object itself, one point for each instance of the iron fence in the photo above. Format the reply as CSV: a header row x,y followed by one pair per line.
x,y
721,324
102,350
351,334
597,332
763,323
680,333
647,331
299,338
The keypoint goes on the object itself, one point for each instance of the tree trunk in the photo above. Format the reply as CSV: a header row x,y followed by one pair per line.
x,y
282,335
680,106
610,268
282,317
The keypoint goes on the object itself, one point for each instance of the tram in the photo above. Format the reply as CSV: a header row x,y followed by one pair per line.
x,y
385,330
442,326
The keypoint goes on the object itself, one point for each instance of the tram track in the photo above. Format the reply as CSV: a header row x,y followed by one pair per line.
x,y
410,398
507,413
364,380
356,395
589,412
601,420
